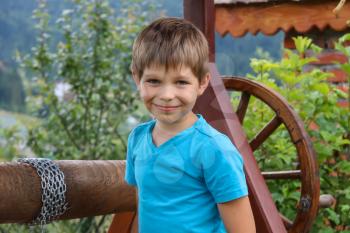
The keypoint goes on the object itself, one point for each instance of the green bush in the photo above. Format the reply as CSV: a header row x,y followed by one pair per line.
x,y
315,100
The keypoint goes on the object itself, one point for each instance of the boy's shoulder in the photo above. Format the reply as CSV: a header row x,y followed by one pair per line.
x,y
209,141
212,137
141,129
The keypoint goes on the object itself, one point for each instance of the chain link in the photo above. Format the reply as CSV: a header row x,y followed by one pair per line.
x,y
53,187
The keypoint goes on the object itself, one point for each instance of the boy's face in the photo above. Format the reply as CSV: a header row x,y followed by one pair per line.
x,y
170,95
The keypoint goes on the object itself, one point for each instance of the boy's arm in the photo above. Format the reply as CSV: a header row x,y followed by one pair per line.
x,y
237,216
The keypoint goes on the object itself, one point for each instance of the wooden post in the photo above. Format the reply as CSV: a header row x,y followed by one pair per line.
x,y
216,107
201,13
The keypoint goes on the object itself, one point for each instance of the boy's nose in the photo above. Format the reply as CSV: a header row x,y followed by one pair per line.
x,y
167,93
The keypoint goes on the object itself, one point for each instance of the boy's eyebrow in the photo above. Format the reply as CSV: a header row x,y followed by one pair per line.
x,y
181,77
184,77
151,76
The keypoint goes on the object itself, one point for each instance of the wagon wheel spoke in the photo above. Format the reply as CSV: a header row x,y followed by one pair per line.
x,y
242,106
287,222
291,174
268,129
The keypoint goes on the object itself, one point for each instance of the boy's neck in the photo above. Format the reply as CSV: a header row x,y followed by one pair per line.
x,y
167,131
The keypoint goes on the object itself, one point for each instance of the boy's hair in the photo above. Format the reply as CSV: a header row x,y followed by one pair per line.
x,y
170,42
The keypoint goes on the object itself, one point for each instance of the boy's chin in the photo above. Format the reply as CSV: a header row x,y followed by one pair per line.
x,y
172,119
167,119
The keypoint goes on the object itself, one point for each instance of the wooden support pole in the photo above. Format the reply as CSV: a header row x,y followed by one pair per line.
x,y
201,14
216,107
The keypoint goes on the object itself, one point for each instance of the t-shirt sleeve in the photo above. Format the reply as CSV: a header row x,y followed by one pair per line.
x,y
223,171
130,169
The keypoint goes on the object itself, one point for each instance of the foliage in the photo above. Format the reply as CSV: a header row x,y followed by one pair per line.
x,y
233,54
93,63
88,117
13,133
11,90
10,147
315,100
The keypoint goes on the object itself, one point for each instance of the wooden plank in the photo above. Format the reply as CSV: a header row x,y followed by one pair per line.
x,y
340,76
122,222
330,57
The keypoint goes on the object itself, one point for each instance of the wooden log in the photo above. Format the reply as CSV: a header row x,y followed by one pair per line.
x,y
93,188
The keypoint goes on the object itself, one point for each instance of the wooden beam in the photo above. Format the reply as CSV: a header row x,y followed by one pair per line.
x,y
269,18
201,14
216,108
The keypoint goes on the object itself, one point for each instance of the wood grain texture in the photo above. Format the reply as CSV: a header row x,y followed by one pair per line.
x,y
265,133
216,108
93,188
269,18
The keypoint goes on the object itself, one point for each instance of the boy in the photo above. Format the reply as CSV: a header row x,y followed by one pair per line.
x,y
189,177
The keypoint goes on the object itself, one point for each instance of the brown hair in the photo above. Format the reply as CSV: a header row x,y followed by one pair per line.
x,y
171,42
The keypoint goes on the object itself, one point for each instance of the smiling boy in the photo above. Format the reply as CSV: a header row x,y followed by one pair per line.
x,y
189,176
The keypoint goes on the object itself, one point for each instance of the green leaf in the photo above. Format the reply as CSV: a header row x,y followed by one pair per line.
x,y
344,166
302,43
344,38
322,88
346,68
316,48
333,216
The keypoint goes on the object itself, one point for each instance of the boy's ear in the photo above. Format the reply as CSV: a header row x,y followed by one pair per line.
x,y
204,83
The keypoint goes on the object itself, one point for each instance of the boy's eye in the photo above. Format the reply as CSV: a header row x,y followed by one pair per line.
x,y
182,82
153,81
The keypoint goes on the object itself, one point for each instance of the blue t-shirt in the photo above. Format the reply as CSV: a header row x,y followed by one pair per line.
x,y
181,181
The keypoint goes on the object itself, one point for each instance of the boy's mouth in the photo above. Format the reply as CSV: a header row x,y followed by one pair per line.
x,y
166,108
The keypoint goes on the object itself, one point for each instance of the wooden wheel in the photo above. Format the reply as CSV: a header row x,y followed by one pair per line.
x,y
306,170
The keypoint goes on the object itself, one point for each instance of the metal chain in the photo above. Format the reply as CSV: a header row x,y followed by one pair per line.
x,y
53,187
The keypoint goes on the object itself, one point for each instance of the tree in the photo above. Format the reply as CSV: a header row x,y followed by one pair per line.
x,y
92,62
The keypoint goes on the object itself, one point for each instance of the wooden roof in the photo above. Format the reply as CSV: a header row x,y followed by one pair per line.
x,y
238,1
239,17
